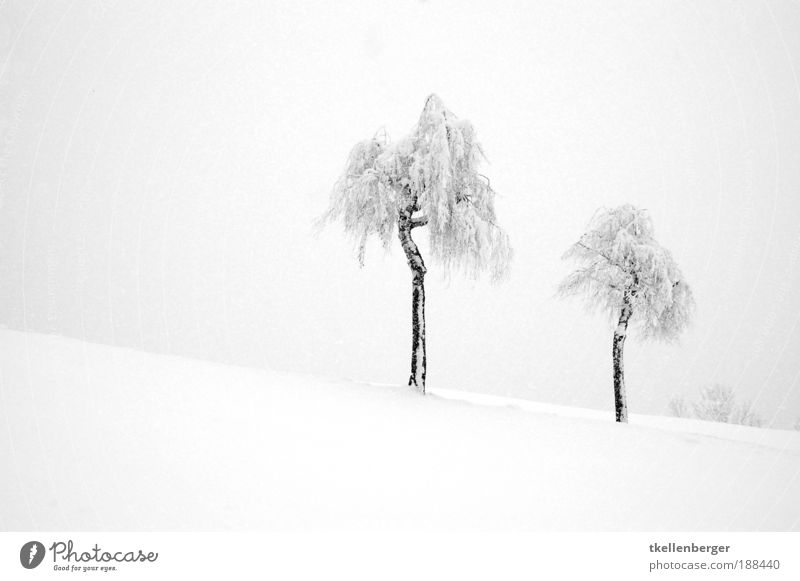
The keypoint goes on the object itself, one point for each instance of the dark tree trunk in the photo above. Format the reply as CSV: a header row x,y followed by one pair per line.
x,y
620,399
418,358
415,263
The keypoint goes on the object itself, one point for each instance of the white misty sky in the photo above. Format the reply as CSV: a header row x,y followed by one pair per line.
x,y
161,168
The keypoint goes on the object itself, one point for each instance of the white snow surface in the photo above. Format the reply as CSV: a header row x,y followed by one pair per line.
x,y
103,438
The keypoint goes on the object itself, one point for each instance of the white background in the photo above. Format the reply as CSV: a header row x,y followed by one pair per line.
x,y
161,165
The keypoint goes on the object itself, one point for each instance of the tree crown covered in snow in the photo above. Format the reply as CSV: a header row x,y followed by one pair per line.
x,y
432,172
621,263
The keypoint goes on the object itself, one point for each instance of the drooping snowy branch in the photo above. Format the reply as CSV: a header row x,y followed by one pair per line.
x,y
621,261
363,199
431,173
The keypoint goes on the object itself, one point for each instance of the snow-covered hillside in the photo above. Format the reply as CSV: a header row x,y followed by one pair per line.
x,y
102,438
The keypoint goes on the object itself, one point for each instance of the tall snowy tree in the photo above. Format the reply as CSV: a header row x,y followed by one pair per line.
x,y
429,178
627,274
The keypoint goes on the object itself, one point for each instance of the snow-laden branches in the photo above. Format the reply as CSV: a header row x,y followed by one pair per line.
x,y
434,171
622,262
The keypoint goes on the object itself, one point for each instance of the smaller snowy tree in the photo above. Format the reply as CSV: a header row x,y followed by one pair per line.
x,y
627,274
744,414
428,178
677,406
716,403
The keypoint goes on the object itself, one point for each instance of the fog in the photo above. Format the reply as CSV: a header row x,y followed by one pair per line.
x,y
161,169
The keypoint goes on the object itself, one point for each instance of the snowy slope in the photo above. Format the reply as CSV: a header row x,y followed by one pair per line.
x,y
102,438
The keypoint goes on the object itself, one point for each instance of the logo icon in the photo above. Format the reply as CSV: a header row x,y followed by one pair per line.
x,y
31,554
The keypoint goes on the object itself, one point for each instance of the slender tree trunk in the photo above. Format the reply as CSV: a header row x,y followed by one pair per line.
x,y
415,263
418,358
620,399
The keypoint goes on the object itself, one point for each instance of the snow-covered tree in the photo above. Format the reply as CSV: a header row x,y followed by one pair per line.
x,y
744,414
428,178
716,403
677,406
627,274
